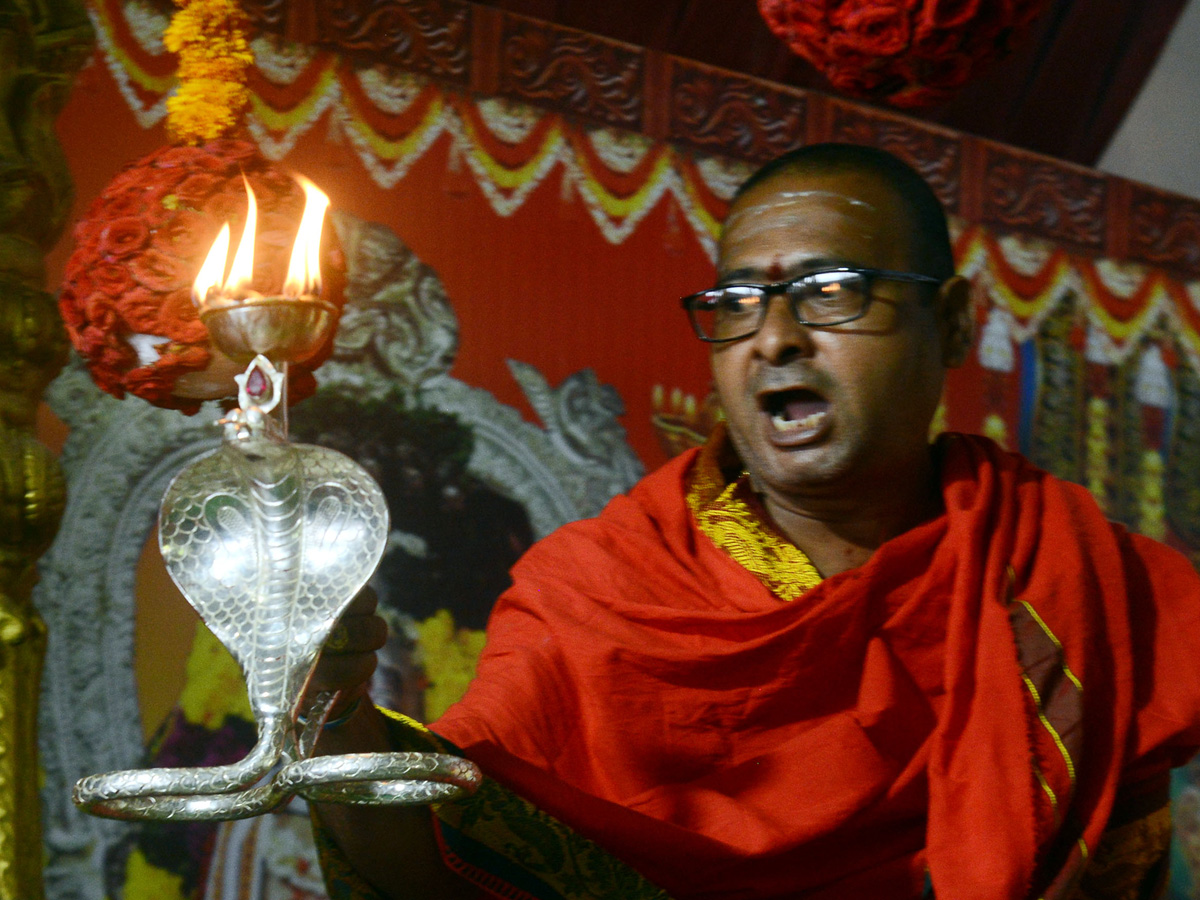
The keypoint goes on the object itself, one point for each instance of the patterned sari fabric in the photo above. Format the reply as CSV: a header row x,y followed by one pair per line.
x,y
967,711
500,842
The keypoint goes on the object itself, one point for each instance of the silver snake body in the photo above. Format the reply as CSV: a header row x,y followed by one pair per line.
x,y
270,541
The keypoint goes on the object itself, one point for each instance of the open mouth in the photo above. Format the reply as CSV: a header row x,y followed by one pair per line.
x,y
796,411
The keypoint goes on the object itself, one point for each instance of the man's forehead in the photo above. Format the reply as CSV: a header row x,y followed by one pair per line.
x,y
796,201
836,212
796,185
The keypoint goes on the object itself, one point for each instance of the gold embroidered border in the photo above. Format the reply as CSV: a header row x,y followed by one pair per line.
x,y
553,860
725,516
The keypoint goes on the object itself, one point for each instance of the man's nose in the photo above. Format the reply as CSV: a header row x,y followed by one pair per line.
x,y
781,336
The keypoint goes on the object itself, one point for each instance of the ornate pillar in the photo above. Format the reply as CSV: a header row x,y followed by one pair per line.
x,y
42,45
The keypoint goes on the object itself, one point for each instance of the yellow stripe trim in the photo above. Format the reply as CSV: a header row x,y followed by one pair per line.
x,y
502,176
1025,309
711,224
1058,741
618,207
282,120
159,84
1046,787
390,151
1050,634
1154,300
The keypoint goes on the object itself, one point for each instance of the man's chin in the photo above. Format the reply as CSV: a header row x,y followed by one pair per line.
x,y
808,469
778,463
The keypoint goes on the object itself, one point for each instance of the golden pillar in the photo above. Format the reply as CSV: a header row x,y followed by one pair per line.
x,y
42,45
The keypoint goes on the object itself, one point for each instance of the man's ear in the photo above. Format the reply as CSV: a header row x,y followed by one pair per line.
x,y
956,320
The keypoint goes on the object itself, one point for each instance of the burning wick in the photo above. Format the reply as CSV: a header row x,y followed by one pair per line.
x,y
304,270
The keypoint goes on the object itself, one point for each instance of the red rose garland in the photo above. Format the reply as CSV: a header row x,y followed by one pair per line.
x,y
126,296
907,52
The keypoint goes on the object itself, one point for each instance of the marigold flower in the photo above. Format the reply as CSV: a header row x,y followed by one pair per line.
x,y
210,38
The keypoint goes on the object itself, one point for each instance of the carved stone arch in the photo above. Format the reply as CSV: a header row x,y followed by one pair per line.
x,y
118,460
514,467
553,480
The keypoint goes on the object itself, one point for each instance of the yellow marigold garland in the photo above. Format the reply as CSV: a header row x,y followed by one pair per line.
x,y
210,38
450,655
1096,443
145,880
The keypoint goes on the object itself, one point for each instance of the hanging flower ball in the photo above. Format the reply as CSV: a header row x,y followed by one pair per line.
x,y
908,53
126,296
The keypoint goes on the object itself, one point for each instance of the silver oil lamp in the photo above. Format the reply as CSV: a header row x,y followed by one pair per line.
x,y
269,541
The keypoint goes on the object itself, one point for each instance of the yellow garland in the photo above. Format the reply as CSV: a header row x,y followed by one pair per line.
x,y
996,428
146,881
939,423
1152,518
210,38
1096,443
450,655
214,688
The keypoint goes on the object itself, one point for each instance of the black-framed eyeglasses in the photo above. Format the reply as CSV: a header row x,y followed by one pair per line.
x,y
827,297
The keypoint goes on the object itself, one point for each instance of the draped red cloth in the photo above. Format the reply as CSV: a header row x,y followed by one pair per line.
x,y
645,689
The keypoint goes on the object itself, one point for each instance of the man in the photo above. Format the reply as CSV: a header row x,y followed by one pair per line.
x,y
819,657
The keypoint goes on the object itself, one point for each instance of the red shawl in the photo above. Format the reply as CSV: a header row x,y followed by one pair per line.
x,y
642,687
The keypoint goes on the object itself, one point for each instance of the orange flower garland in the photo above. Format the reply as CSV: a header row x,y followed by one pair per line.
x,y
210,38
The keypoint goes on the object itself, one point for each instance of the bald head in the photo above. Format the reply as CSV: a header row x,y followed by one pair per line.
x,y
931,248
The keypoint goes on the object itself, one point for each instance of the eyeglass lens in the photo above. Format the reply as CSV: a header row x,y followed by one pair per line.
x,y
822,298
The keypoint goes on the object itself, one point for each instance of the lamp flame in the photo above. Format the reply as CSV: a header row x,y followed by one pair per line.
x,y
214,267
241,273
304,270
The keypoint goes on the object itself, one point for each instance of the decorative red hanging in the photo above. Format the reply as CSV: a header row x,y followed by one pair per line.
x,y
908,53
126,296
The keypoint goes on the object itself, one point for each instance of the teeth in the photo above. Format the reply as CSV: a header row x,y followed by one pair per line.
x,y
810,421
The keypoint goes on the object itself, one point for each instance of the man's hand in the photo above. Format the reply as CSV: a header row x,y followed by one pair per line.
x,y
392,847
348,659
